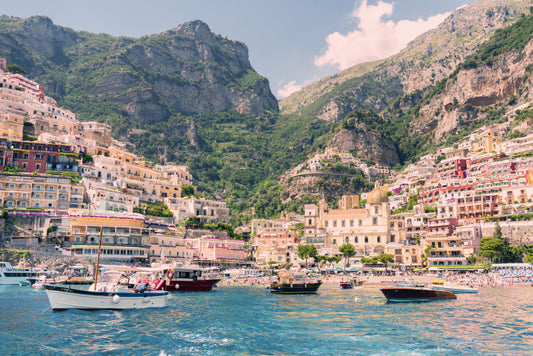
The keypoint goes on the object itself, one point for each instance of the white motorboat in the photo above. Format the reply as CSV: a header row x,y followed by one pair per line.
x,y
455,288
104,294
62,298
16,276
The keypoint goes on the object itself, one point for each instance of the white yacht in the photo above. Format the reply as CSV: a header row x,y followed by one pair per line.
x,y
11,275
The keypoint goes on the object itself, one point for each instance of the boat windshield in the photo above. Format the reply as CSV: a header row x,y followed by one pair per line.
x,y
109,276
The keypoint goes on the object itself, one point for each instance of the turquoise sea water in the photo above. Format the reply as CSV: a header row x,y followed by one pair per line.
x,y
251,321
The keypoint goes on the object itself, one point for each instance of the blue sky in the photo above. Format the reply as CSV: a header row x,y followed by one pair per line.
x,y
290,42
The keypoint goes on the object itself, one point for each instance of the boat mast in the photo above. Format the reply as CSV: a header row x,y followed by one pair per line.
x,y
98,259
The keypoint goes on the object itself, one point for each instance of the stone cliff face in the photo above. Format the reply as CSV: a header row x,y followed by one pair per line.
x,y
426,60
368,145
185,70
473,90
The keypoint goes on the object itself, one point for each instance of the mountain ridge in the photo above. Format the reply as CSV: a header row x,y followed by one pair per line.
x,y
426,60
186,69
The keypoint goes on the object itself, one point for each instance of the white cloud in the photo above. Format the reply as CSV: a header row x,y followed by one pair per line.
x,y
375,38
288,89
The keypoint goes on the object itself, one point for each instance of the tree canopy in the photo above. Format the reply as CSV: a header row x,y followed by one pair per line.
x,y
15,68
347,251
382,258
306,251
498,248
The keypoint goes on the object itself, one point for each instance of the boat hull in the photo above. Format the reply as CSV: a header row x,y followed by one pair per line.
x,y
62,298
295,288
15,278
346,286
199,285
402,295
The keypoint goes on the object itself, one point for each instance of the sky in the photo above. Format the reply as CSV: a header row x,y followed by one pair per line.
x,y
292,43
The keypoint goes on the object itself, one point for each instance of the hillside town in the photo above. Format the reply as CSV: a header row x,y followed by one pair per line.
x,y
66,182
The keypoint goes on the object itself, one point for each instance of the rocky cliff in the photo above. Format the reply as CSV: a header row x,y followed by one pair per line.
x,y
368,144
426,60
473,90
187,69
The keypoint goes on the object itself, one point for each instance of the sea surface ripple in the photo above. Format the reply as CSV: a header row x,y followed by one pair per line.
x,y
251,321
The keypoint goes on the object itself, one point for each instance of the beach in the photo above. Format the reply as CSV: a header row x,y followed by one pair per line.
x,y
471,279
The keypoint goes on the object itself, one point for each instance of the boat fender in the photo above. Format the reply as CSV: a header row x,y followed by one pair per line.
x,y
116,299
177,286
146,300
170,274
158,285
168,296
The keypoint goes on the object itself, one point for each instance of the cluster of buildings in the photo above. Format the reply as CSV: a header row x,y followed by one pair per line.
x,y
315,165
434,213
74,183
69,182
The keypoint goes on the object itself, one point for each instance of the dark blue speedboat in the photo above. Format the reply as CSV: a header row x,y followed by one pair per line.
x,y
415,294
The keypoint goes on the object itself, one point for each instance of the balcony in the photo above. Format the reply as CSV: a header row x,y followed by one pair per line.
x,y
446,258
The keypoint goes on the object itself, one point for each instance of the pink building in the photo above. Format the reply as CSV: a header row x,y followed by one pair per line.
x,y
217,249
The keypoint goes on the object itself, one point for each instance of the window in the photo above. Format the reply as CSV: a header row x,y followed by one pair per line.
x,y
366,239
379,239
360,222
374,221
347,239
356,239
376,209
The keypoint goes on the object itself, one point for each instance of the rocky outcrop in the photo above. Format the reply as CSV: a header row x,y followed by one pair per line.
x,y
369,145
426,60
473,90
187,69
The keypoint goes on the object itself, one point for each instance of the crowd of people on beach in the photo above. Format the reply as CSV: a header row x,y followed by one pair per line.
x,y
491,279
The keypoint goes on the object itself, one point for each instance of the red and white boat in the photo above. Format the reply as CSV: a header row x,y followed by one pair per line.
x,y
175,278
188,278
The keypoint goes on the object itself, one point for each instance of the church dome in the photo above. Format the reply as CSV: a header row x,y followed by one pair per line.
x,y
377,195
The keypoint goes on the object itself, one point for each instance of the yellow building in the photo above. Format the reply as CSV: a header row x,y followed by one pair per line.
x,y
11,126
49,192
486,141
